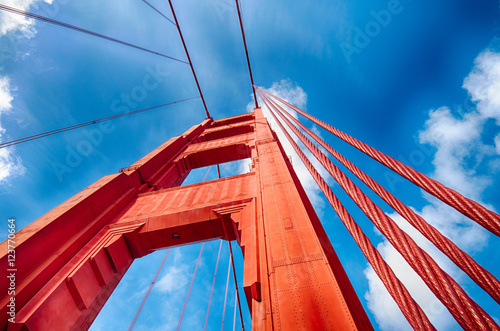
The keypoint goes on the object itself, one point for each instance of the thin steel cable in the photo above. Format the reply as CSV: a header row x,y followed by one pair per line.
x,y
159,12
225,296
232,263
207,173
73,27
467,313
468,207
410,309
136,316
189,58
213,285
236,287
234,314
246,52
478,274
190,287
80,125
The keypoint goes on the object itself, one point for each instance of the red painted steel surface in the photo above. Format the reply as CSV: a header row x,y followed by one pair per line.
x,y
71,259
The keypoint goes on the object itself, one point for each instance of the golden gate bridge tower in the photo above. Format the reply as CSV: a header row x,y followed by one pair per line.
x,y
72,258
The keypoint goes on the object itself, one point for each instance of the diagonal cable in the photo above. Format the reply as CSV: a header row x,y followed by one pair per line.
x,y
76,28
468,207
410,309
477,273
81,125
189,58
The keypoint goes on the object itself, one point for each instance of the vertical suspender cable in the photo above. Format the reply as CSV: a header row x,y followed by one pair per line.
x,y
225,296
234,315
234,271
207,173
194,274
236,286
213,285
189,58
148,291
190,287
246,53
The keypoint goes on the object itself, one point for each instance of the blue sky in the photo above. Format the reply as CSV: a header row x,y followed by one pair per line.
x,y
421,83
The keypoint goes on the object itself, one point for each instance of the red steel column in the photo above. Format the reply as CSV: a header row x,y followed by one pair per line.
x,y
304,286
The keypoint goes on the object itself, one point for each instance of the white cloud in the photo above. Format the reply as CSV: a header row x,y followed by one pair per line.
x,y
10,165
5,95
497,143
458,143
464,162
10,22
295,95
174,280
483,84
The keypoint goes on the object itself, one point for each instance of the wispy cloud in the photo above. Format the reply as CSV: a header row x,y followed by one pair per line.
x,y
174,280
464,161
10,165
12,22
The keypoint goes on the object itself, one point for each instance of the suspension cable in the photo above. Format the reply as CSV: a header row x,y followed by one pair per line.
x,y
81,125
232,263
213,285
73,27
477,273
189,58
159,12
148,292
225,296
486,218
246,52
234,314
465,310
190,287
236,287
410,309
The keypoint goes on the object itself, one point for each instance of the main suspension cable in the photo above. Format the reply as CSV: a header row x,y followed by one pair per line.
x,y
246,52
410,309
73,27
477,273
81,125
189,58
465,310
486,218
